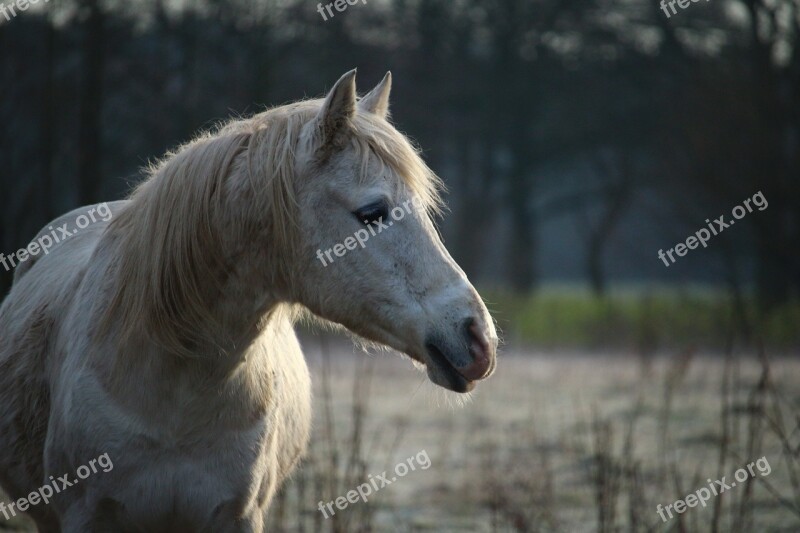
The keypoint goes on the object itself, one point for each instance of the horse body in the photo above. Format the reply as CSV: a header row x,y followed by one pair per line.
x,y
163,337
195,443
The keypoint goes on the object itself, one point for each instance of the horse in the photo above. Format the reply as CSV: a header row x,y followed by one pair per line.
x,y
163,337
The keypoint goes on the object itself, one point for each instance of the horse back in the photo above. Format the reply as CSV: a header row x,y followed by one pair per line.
x,y
43,289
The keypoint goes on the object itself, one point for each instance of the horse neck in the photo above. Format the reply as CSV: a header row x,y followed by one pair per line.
x,y
239,298
248,309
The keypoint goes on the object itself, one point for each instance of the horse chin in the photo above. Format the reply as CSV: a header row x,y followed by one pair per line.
x,y
450,381
442,373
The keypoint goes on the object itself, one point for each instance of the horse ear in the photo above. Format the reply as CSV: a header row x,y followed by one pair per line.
x,y
338,108
377,100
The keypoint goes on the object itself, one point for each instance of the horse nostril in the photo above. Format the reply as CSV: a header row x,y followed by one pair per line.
x,y
478,346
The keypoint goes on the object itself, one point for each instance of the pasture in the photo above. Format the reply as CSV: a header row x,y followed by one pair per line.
x,y
559,439
553,442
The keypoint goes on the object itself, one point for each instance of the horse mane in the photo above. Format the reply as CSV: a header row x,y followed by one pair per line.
x,y
168,236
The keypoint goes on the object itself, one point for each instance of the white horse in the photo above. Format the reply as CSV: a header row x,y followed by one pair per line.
x,y
164,337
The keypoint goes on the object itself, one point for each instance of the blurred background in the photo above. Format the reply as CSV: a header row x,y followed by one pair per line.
x,y
576,139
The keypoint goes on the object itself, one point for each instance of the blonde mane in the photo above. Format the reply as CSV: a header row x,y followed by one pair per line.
x,y
168,236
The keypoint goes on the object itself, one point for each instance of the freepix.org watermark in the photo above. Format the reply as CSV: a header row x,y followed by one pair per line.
x,y
715,488
63,232
702,236
338,5
376,483
361,237
56,486
9,10
683,4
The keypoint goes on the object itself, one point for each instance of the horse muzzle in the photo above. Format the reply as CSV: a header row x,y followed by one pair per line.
x,y
457,364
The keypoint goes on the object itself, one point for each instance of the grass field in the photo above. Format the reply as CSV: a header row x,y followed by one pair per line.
x,y
557,440
640,319
553,442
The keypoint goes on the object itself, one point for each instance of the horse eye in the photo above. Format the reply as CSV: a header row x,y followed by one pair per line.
x,y
372,213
